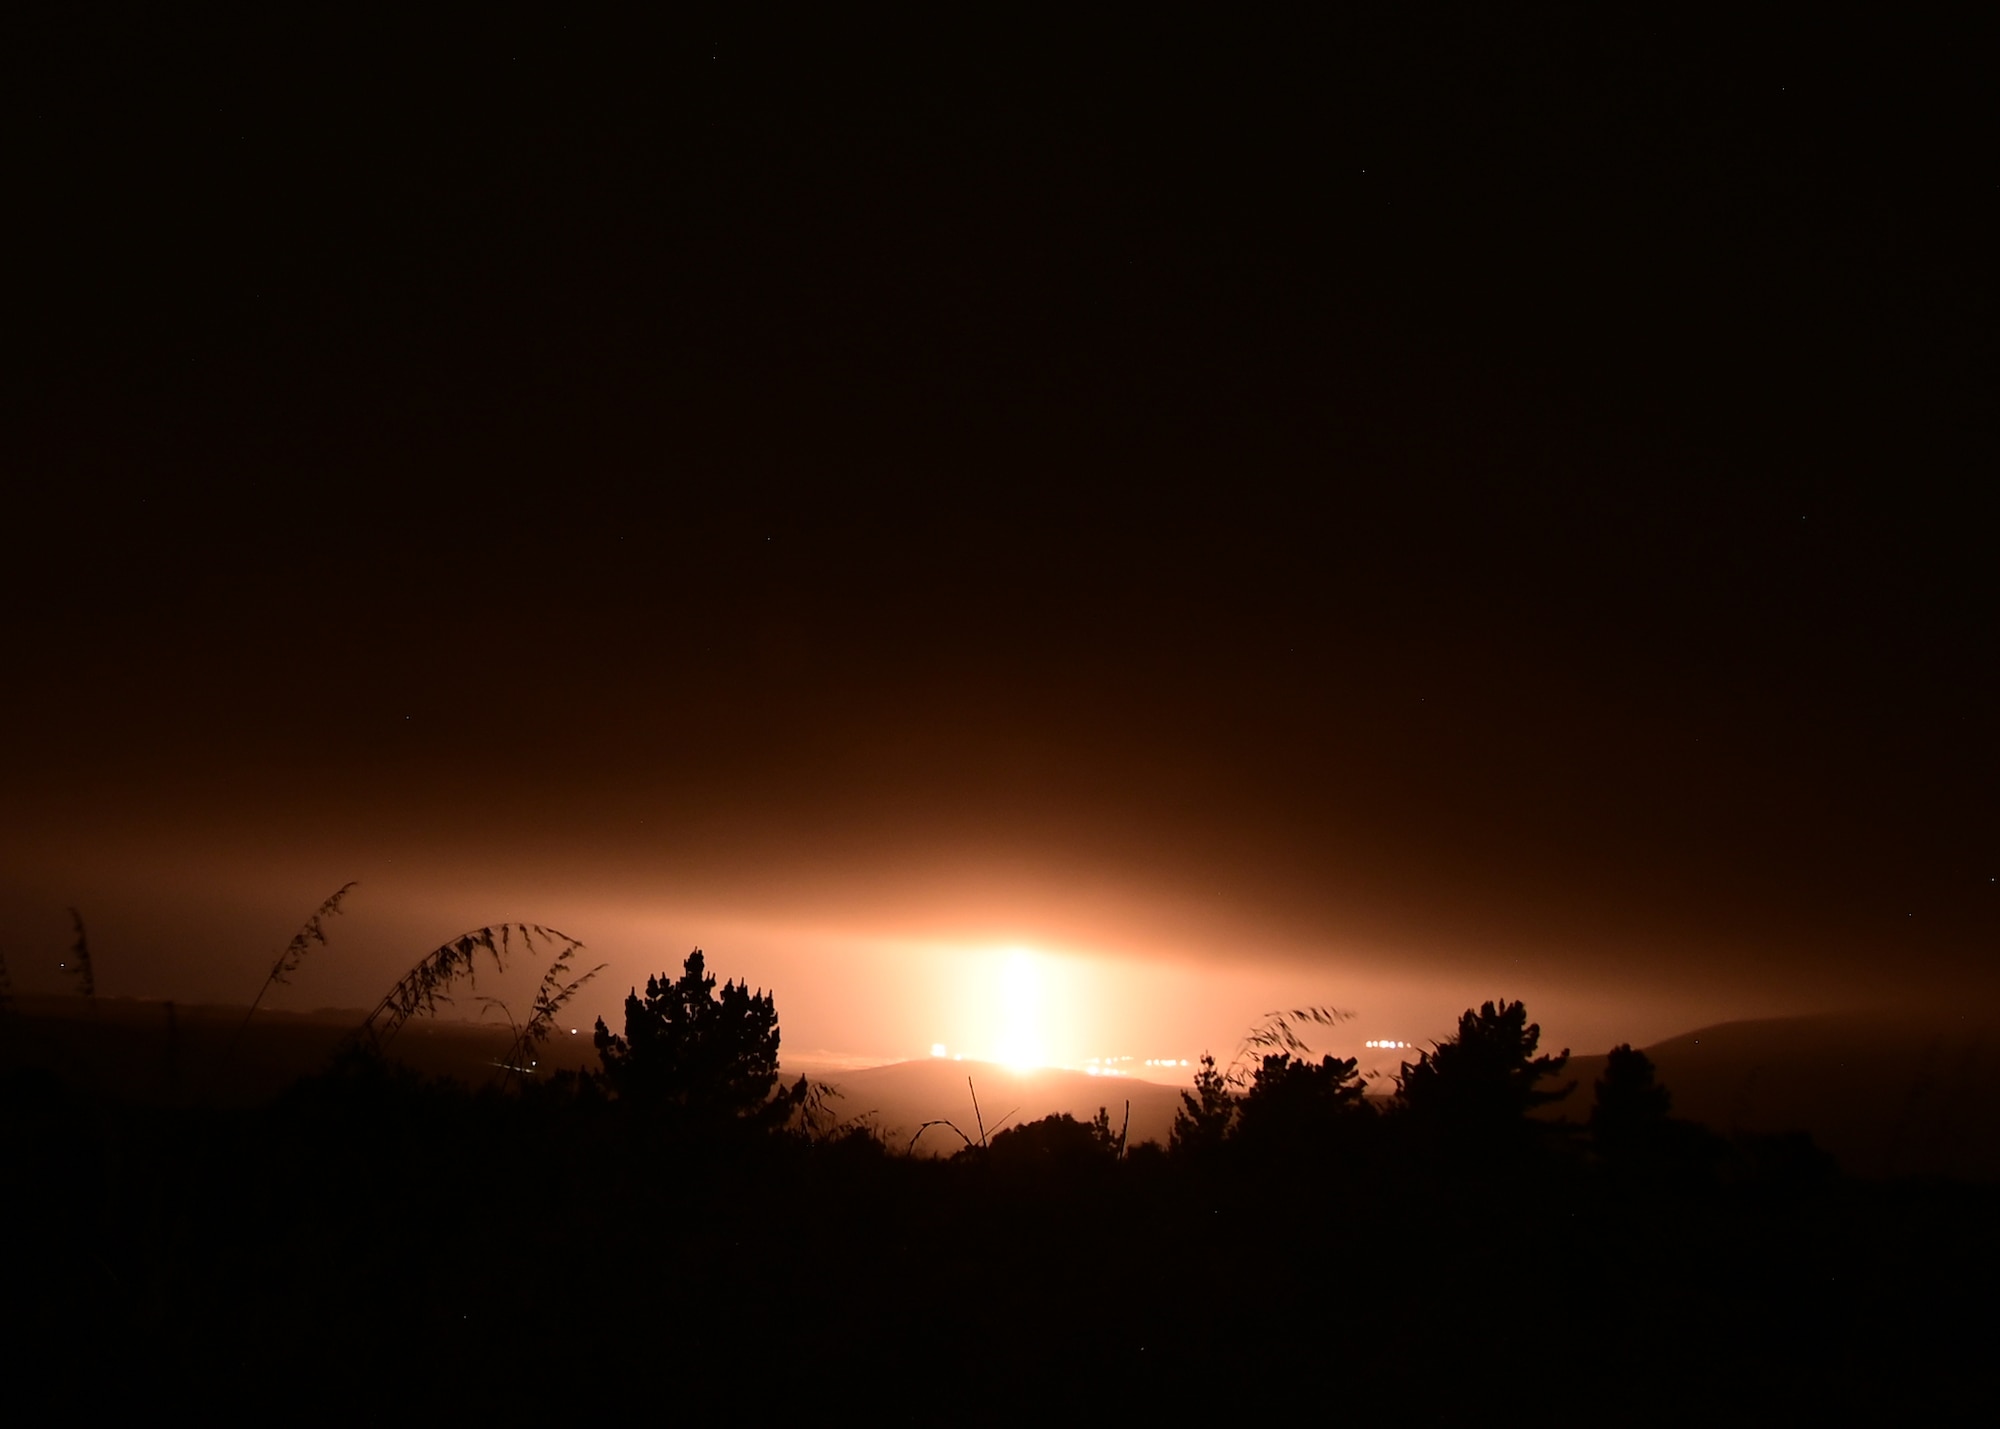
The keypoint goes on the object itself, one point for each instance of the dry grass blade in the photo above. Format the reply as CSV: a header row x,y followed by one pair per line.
x,y
1280,1032
424,986
312,931
815,1117
513,1024
550,998
804,1110
554,994
912,1147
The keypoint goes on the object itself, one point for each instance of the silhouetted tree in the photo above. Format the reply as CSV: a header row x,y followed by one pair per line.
x,y
686,1048
1633,1131
1206,1112
79,962
1484,1080
1295,1102
1630,1109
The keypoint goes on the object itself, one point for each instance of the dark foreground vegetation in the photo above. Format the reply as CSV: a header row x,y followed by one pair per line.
x,y
681,1236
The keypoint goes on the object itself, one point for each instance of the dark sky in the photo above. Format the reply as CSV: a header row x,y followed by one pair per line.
x,y
1420,509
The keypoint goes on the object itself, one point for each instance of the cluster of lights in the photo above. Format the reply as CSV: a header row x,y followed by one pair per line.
x,y
1387,1044
1111,1066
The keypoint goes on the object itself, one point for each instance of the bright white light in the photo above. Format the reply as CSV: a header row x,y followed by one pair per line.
x,y
1020,1009
937,1049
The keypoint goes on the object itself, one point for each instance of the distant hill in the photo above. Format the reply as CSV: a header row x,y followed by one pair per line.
x,y
901,1097
1886,1095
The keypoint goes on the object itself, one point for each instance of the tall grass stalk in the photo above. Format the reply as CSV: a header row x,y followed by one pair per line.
x,y
427,984
550,998
1282,1031
312,931
911,1149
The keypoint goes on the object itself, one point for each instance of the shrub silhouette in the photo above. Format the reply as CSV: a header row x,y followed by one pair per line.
x,y
1482,1083
688,1050
1272,1092
1631,1108
1632,1129
1293,1102
1058,1143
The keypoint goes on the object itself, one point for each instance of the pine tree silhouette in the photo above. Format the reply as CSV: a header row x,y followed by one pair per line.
x,y
688,1049
1484,1081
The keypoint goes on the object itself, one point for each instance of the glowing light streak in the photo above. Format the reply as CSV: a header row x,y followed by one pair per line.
x,y
1020,1011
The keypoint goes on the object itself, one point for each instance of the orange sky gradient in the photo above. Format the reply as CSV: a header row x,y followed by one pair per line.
x,y
1354,523
876,968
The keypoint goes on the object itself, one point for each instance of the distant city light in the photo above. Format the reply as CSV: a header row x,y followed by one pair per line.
x,y
1387,1044
937,1049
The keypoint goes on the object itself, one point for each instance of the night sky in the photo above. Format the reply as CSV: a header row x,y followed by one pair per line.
x,y
1422,509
